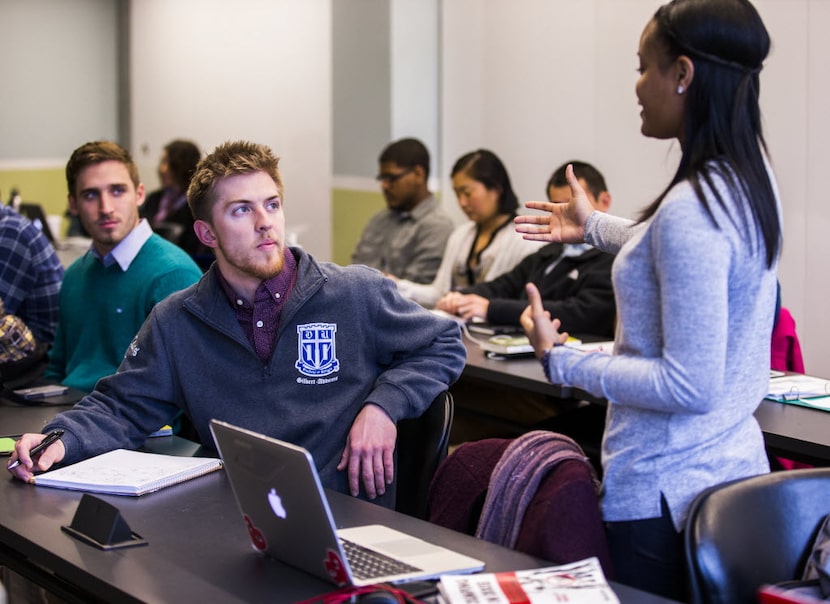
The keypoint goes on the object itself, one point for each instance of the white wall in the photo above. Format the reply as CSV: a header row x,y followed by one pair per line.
x,y
551,82
415,55
59,79
361,88
807,246
211,71
387,65
554,80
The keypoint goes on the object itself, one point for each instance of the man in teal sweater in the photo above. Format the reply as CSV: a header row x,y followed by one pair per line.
x,y
109,291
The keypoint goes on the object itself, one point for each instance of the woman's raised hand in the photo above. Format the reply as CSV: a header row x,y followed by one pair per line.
x,y
564,221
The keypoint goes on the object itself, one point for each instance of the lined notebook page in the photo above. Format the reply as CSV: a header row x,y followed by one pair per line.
x,y
123,472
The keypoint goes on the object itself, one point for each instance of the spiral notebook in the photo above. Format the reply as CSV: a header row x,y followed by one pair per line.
x,y
788,388
123,472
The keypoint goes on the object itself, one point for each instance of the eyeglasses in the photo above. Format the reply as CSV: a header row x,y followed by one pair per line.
x,y
391,179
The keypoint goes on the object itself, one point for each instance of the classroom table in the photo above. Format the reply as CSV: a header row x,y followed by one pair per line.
x,y
791,431
16,419
198,549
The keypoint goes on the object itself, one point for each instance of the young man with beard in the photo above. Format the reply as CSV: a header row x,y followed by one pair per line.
x,y
272,340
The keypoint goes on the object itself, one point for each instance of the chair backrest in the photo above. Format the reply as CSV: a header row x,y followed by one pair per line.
x,y
22,373
422,444
753,531
562,522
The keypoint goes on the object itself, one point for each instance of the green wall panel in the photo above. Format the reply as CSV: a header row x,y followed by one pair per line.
x,y
45,186
351,211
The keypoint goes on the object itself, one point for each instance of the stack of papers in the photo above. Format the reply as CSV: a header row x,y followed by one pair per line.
x,y
803,389
507,345
517,345
490,329
579,583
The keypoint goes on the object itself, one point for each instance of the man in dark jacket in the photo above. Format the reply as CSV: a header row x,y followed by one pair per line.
x,y
574,280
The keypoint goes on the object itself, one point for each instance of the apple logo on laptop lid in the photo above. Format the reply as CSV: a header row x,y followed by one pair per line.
x,y
275,501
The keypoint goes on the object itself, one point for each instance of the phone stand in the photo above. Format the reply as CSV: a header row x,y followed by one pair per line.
x,y
100,524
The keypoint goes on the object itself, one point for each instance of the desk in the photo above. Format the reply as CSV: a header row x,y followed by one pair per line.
x,y
17,419
790,431
71,248
198,549
524,373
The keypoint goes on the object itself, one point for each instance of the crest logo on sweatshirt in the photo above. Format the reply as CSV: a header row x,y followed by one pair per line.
x,y
317,356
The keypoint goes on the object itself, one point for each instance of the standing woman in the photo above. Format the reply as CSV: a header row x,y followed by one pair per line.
x,y
485,247
695,285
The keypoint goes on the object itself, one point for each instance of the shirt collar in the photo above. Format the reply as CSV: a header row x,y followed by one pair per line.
x,y
126,251
571,250
424,207
278,286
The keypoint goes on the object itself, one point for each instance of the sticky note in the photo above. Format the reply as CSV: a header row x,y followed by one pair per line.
x,y
6,446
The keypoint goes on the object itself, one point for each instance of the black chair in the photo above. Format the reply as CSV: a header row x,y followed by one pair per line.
x,y
749,532
22,373
422,444
562,521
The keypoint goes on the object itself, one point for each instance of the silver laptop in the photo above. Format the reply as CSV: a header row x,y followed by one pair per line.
x,y
287,516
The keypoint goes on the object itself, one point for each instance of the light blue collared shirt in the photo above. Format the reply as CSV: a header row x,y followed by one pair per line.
x,y
569,250
125,252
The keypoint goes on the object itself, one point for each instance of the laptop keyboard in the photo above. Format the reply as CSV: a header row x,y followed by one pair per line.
x,y
369,564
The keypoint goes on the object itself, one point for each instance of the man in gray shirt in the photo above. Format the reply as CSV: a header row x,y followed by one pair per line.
x,y
408,238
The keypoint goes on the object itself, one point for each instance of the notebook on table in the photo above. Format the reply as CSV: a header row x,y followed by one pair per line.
x,y
287,517
507,345
124,472
518,345
492,329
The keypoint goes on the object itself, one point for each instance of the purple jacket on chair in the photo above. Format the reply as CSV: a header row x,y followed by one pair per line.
x,y
561,524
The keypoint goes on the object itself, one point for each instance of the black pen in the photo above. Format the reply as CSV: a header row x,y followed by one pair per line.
x,y
50,438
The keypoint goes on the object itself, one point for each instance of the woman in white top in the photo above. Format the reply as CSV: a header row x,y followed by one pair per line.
x,y
485,247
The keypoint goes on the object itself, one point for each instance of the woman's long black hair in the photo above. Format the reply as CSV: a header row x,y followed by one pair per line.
x,y
727,42
485,167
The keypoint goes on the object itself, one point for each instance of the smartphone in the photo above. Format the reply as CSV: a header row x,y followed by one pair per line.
x,y
41,391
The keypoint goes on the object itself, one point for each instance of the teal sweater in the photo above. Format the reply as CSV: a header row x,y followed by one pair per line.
x,y
102,308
